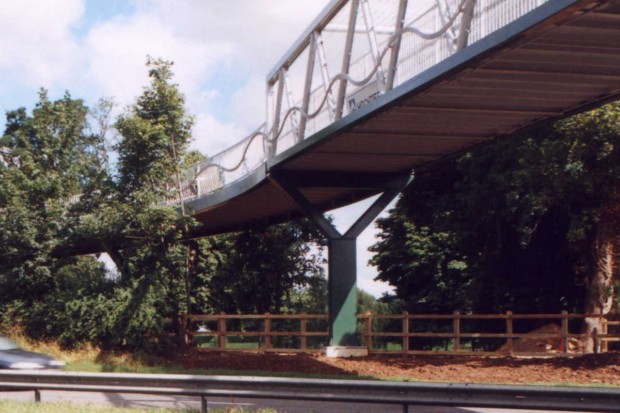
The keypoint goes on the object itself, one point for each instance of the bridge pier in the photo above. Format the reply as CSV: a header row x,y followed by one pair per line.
x,y
342,290
342,254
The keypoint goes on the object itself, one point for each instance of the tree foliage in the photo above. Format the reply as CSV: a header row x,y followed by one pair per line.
x,y
267,270
47,158
61,188
527,223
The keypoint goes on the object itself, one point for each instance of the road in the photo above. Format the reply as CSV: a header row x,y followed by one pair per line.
x,y
220,404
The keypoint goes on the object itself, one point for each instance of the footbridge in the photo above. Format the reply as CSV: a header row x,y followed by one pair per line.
x,y
375,89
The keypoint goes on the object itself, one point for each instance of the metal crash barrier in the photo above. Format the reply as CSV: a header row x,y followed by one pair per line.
x,y
406,394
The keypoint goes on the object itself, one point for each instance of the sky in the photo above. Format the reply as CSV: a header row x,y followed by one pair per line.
x,y
222,51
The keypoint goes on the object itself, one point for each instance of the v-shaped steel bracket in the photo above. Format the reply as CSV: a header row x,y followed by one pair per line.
x,y
342,272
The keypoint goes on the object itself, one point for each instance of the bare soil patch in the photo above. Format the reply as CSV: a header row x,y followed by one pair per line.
x,y
593,370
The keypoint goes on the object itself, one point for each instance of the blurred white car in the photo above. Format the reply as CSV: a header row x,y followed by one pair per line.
x,y
13,357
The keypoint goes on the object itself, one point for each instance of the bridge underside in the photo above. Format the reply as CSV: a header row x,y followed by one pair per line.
x,y
562,58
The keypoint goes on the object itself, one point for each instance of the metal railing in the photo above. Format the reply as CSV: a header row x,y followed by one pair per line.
x,y
404,394
413,334
372,46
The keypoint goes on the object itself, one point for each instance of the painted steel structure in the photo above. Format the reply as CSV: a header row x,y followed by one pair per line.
x,y
377,88
354,52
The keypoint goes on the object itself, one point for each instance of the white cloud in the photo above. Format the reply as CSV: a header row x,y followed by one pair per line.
x,y
36,45
117,53
222,53
212,136
261,30
248,103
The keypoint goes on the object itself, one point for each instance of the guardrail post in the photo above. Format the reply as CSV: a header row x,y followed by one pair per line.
x,y
37,396
267,331
405,334
564,332
204,406
456,330
510,332
221,331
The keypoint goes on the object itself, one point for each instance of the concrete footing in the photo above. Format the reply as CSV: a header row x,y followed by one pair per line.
x,y
345,351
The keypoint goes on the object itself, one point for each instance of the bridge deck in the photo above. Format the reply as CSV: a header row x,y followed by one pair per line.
x,y
562,58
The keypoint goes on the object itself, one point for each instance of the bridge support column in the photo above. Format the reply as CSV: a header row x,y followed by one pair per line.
x,y
342,256
342,287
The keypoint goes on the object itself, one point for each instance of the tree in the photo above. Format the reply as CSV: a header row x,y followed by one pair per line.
x,y
155,257
522,224
48,161
262,269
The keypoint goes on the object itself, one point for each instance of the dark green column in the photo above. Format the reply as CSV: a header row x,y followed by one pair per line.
x,y
342,282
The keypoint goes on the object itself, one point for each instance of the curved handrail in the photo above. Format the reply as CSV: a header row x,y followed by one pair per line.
x,y
345,77
272,136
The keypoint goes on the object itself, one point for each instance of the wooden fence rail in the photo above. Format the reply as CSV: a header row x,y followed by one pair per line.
x,y
453,334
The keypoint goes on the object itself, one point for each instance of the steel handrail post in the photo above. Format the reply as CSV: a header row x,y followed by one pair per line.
x,y
305,105
346,60
393,65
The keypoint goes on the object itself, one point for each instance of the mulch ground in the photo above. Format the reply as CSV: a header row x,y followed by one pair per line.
x,y
593,369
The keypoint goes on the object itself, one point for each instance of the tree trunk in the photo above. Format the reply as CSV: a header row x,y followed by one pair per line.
x,y
599,286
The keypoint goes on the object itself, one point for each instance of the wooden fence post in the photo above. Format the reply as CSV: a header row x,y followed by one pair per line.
x,y
187,335
267,331
368,331
510,332
221,331
605,331
564,332
456,330
304,329
405,332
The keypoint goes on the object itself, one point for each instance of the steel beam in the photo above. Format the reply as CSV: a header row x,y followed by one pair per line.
x,y
466,19
305,106
292,190
393,65
290,100
355,180
372,41
346,59
371,213
320,48
272,143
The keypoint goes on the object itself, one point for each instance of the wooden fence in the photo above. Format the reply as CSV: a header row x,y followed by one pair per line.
x,y
450,334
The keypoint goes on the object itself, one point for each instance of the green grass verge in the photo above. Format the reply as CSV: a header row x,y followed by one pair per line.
x,y
93,367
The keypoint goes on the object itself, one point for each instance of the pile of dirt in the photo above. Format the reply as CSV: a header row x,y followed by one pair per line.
x,y
595,369
536,342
